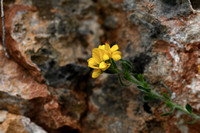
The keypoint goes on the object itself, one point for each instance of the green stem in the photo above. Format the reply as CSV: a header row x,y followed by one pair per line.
x,y
176,106
156,95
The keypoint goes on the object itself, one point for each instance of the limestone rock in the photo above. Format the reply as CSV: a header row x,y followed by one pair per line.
x,y
47,82
17,124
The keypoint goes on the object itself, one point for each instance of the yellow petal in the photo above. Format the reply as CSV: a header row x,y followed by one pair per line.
x,y
92,63
96,73
114,48
101,54
116,52
102,65
105,57
107,66
116,57
102,47
107,47
96,55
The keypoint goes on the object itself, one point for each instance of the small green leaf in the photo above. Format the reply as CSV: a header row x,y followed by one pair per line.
x,y
127,63
165,95
144,89
113,64
128,77
111,70
140,78
168,113
169,104
189,108
148,98
165,114
125,67
169,91
145,85
191,122
135,75
141,88
121,82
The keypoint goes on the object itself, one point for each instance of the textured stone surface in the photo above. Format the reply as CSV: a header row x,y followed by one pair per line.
x,y
47,81
17,82
18,124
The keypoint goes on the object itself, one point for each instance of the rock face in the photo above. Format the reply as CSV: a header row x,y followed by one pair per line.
x,y
11,123
46,86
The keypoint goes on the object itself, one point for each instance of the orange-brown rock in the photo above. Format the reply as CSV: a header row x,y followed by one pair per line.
x,y
17,124
16,81
47,81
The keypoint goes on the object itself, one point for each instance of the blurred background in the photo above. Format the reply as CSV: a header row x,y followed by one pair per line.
x,y
46,86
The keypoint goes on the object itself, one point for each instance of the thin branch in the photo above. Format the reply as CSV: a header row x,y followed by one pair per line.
x,y
3,30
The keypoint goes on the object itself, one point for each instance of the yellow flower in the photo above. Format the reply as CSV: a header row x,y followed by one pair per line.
x,y
100,60
96,73
97,62
111,52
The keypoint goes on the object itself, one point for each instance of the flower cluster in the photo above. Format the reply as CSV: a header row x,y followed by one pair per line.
x,y
101,58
